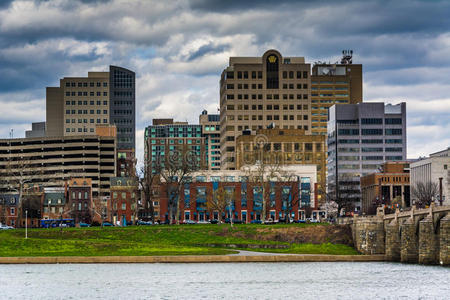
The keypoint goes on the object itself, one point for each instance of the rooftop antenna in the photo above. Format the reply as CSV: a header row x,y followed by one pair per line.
x,y
347,56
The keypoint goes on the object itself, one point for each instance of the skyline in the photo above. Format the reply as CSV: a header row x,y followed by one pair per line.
x,y
179,49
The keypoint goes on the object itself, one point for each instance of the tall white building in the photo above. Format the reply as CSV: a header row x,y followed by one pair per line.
x,y
430,170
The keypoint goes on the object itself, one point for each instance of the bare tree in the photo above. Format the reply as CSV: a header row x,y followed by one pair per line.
x,y
217,201
424,193
330,205
18,177
3,213
341,196
175,171
148,180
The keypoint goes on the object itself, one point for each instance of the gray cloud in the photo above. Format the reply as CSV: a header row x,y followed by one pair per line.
x,y
178,49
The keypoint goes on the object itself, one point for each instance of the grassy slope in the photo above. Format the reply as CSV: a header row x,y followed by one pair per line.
x,y
145,240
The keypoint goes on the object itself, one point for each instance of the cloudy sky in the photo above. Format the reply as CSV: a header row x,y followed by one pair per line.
x,y
179,48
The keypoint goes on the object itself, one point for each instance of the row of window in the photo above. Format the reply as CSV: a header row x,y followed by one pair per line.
x,y
79,129
85,112
122,121
244,74
328,95
123,195
173,142
379,121
268,96
371,131
268,107
329,88
85,102
123,102
299,74
125,130
85,121
123,112
245,86
329,82
85,84
85,94
123,94
372,141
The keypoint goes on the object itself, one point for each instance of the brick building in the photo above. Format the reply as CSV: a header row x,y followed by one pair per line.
x,y
124,200
54,203
8,209
79,192
291,196
390,186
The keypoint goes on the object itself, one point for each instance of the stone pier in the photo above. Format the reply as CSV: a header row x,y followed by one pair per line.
x,y
428,242
415,236
444,241
393,241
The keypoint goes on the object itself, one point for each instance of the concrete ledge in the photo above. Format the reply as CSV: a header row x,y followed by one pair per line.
x,y
190,259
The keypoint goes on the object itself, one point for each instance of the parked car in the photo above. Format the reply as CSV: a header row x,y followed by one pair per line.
x,y
191,222
5,227
311,220
214,221
107,224
140,222
84,224
235,221
300,221
256,222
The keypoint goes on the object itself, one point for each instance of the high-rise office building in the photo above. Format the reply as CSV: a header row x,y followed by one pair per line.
x,y
333,84
211,133
122,100
166,141
256,92
80,104
360,138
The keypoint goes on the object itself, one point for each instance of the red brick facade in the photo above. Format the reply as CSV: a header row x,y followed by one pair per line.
x,y
282,199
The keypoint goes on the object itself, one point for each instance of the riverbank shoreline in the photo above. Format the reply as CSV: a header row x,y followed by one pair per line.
x,y
191,259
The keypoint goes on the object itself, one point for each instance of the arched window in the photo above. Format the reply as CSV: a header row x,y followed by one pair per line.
x,y
272,72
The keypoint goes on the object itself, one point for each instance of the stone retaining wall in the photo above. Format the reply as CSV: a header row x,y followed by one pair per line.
x,y
190,259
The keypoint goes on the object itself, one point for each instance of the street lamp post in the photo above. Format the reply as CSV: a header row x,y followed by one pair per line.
x,y
26,223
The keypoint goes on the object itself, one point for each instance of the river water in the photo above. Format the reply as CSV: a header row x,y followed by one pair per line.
x,y
323,280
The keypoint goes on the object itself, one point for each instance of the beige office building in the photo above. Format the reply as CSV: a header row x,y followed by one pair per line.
x,y
256,92
78,105
284,146
333,84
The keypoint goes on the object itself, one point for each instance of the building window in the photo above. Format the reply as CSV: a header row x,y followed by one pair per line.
x,y
393,131
272,80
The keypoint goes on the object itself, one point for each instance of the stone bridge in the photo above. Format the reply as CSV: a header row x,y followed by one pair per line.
x,y
415,236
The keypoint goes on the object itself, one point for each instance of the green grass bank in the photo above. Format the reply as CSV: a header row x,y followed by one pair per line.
x,y
177,240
